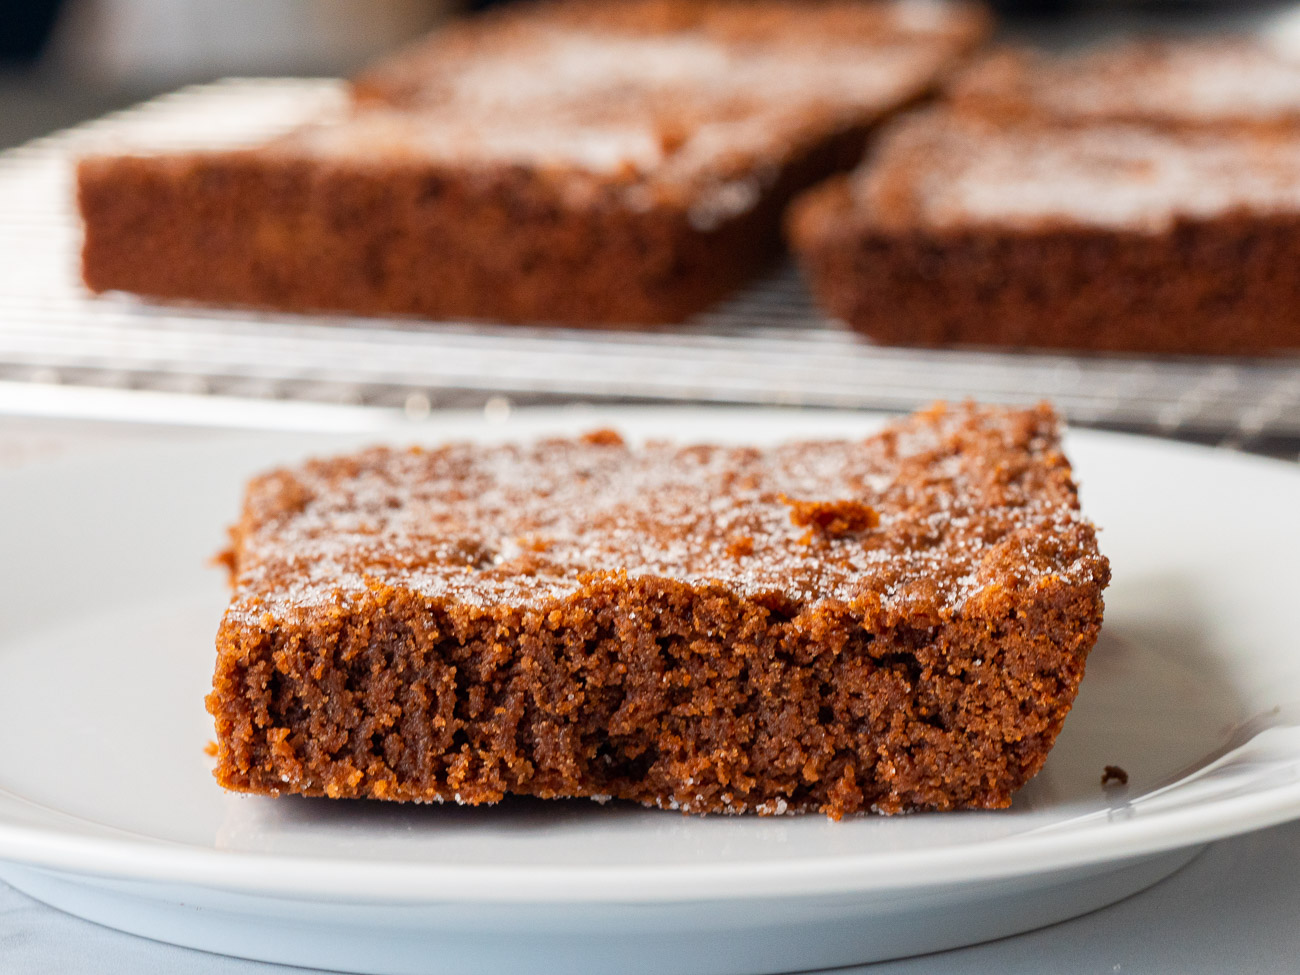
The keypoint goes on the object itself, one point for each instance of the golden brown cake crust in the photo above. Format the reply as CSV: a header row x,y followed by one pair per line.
x,y
889,624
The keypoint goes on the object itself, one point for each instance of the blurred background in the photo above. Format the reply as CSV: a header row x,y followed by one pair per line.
x,y
64,354
67,60
62,61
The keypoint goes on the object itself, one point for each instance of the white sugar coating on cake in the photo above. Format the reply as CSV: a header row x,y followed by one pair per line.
x,y
1101,175
571,54
614,109
717,141
1236,83
630,147
557,67
716,171
396,135
525,525
671,105
1192,81
669,108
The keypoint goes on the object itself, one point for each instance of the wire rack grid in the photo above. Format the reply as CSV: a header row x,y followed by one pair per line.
x,y
767,345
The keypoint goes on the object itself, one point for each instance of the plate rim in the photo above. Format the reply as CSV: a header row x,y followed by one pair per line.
x,y
390,882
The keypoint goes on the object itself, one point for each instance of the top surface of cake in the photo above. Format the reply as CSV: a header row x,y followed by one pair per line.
x,y
618,149
692,103
709,58
943,171
917,520
714,168
673,87
1179,83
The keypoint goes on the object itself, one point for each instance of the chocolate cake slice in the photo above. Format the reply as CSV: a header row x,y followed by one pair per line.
x,y
1132,197
886,624
574,162
962,229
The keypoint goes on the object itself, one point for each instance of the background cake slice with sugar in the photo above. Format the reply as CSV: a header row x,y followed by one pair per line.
x,y
1102,201
569,162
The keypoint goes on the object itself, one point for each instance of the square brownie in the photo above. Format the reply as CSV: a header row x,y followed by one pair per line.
x,y
577,162
886,624
971,229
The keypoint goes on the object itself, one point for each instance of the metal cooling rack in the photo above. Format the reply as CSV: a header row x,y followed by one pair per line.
x,y
767,345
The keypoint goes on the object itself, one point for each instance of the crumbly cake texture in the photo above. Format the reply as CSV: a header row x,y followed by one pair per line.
x,y
966,229
579,162
891,624
1224,82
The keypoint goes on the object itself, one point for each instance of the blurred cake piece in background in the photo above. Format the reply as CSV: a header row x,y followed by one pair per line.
x,y
970,230
1192,82
577,162
700,57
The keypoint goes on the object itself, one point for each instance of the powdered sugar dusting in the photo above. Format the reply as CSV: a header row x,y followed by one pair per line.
x,y
965,500
554,68
671,110
392,134
1195,82
714,108
1241,83
1117,175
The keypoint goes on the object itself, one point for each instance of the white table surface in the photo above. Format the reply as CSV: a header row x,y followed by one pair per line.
x,y
1235,909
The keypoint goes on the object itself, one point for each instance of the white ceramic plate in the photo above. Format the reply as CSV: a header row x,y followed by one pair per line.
x,y
108,809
